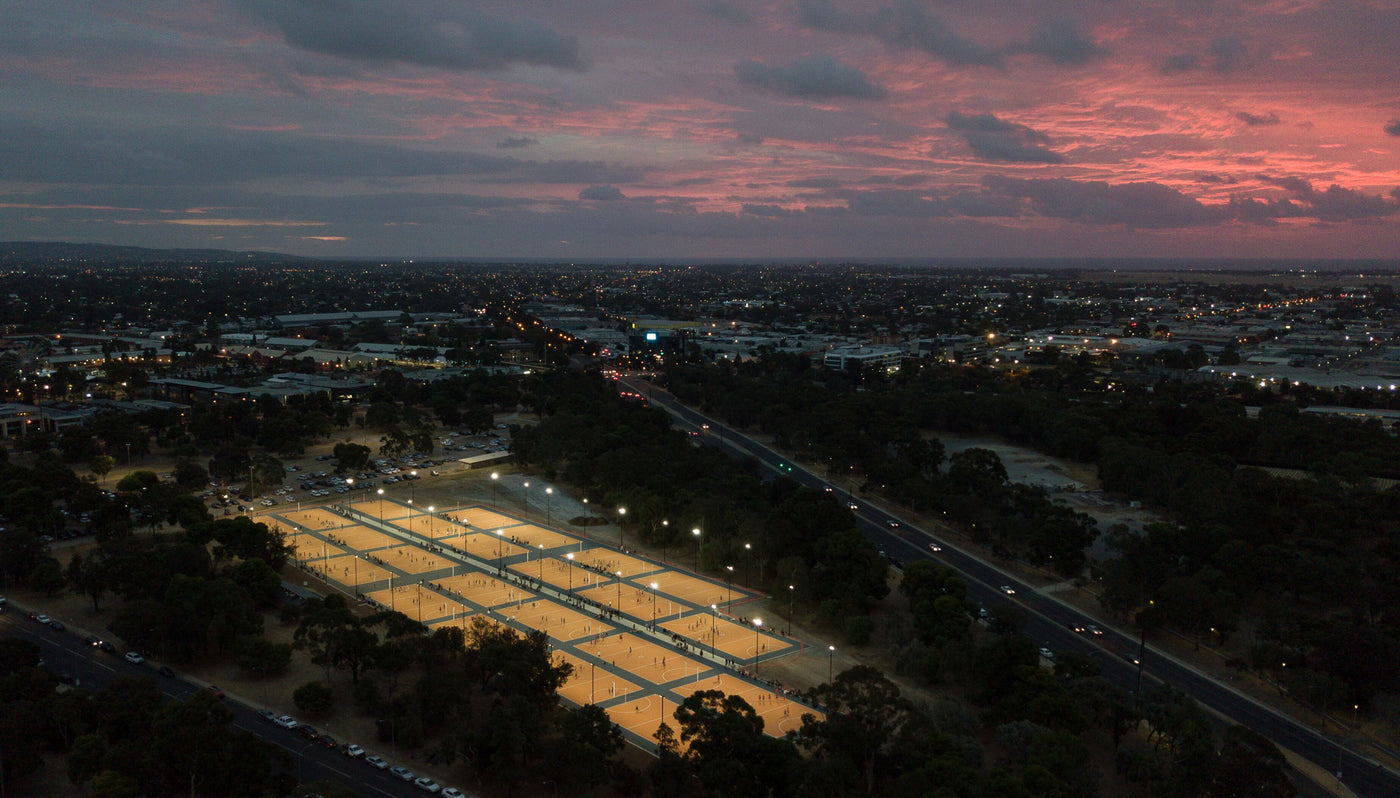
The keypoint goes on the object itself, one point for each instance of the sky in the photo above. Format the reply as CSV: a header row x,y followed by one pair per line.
x,y
706,129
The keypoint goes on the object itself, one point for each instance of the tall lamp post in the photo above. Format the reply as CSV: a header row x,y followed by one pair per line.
x,y
541,564
549,506
757,625
830,661
500,561
619,592
653,605
792,589
430,523
714,610
410,516
570,566
748,560
380,494
621,511
495,480
729,583
696,533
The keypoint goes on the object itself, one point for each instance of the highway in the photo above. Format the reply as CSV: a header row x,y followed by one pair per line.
x,y
67,652
1050,621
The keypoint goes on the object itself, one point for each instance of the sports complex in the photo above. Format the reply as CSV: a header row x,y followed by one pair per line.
x,y
641,635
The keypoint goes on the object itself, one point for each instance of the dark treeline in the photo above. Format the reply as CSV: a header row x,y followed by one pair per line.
x,y
1304,563
1003,724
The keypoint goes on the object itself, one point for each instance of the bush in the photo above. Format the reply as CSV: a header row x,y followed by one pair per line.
x,y
314,699
858,630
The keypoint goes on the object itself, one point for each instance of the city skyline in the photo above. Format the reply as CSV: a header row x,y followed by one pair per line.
x,y
815,128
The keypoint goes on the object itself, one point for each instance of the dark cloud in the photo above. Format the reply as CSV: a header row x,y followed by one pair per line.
x,y
517,143
1258,120
905,24
984,206
890,202
601,193
1137,205
819,77
1227,53
435,33
188,155
727,11
1181,62
815,182
769,211
1335,204
1061,41
1392,127
998,140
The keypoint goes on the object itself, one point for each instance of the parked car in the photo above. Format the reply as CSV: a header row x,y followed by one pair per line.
x,y
427,785
353,751
452,792
268,715
286,722
376,762
134,658
402,772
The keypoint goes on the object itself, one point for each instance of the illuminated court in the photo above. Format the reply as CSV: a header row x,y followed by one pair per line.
x,y
735,640
635,678
780,714
486,591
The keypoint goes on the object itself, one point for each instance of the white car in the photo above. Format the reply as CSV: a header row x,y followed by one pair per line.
x,y
1047,653
354,751
43,619
935,548
377,762
452,792
286,722
427,785
402,772
134,658
1008,590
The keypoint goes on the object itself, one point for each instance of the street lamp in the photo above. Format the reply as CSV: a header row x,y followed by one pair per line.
x,y
621,511
729,582
380,493
619,592
570,558
653,605
500,562
696,533
748,559
830,661
541,564
495,479
714,610
410,516
549,506
792,589
757,625
430,523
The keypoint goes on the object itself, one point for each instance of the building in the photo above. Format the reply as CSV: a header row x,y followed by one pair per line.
x,y
882,358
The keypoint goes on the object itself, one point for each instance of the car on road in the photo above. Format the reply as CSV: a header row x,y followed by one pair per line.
x,y
309,732
1008,590
894,525
935,548
353,751
377,762
452,792
44,619
56,625
1094,630
286,722
1046,653
402,772
134,658
427,785
268,715
107,647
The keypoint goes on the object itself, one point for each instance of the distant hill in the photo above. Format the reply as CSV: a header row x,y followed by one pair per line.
x,y
41,253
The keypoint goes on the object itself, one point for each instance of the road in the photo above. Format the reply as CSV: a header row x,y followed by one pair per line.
x,y
67,651
1050,621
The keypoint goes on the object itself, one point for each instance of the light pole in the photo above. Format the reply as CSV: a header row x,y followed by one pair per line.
x,y
792,589
549,506
748,559
570,558
619,592
757,625
653,605
714,610
621,511
380,494
495,480
830,661
410,516
696,533
430,523
541,564
729,583
357,574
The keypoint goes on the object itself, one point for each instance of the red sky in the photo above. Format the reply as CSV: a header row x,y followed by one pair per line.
x,y
705,129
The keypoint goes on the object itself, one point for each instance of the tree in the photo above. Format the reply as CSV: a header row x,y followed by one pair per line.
x,y
47,577
351,457
728,749
89,576
314,698
101,465
864,710
256,654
